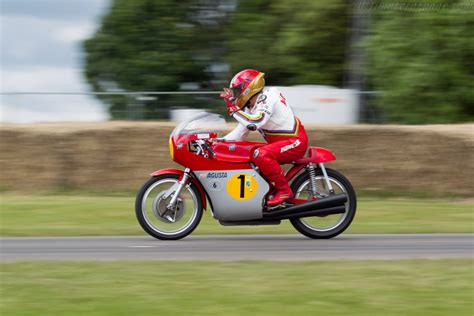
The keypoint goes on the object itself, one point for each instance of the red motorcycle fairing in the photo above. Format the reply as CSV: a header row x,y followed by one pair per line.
x,y
316,155
231,155
180,174
184,155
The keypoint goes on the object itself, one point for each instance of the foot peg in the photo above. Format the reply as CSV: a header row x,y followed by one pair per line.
x,y
278,207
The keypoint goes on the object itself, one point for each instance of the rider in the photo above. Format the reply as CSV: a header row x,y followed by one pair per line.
x,y
266,110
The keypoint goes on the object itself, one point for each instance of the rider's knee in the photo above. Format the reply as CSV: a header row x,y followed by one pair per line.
x,y
261,154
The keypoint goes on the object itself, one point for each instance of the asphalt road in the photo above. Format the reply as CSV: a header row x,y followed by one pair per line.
x,y
236,247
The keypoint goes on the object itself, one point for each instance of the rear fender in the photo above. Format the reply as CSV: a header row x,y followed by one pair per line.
x,y
292,172
180,174
322,155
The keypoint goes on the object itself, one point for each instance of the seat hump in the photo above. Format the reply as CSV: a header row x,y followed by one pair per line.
x,y
316,155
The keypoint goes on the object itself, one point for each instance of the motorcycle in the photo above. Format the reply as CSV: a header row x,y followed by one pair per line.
x,y
219,175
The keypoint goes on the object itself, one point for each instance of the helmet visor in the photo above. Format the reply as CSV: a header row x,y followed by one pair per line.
x,y
237,90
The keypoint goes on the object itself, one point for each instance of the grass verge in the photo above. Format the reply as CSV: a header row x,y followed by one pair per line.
x,y
412,287
89,214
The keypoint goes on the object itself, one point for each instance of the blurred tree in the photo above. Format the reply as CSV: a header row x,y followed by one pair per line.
x,y
421,59
293,41
149,45
157,45
420,52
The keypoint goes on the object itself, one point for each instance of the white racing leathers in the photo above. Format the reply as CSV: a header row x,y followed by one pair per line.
x,y
271,116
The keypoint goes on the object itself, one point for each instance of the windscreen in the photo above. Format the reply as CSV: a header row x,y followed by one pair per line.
x,y
200,123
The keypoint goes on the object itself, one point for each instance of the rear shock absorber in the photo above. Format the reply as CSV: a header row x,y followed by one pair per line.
x,y
312,179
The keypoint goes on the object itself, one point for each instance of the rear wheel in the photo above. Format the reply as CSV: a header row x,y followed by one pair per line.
x,y
330,225
151,208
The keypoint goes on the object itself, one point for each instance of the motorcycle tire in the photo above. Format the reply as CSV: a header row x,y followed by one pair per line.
x,y
342,184
150,221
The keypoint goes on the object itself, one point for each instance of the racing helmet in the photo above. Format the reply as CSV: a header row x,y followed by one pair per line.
x,y
245,85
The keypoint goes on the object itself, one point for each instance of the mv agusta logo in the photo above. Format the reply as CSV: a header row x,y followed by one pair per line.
x,y
216,175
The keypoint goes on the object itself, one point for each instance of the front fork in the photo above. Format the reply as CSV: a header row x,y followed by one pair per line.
x,y
176,190
311,168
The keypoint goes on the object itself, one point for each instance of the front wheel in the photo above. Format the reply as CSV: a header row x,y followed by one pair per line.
x,y
151,208
319,227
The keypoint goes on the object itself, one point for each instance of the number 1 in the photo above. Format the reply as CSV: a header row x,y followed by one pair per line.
x,y
242,185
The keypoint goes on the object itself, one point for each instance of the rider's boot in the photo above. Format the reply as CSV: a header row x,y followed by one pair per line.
x,y
281,194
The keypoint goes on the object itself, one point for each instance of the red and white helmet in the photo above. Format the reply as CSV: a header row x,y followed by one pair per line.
x,y
245,85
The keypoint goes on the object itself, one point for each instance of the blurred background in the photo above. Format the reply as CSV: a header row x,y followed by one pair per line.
x,y
116,64
368,61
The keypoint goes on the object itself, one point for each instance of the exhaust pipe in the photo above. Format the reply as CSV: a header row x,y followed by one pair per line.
x,y
326,206
324,212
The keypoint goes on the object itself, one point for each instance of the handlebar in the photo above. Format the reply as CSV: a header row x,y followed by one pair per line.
x,y
201,145
206,146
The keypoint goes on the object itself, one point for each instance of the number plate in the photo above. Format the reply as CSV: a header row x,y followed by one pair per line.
x,y
242,186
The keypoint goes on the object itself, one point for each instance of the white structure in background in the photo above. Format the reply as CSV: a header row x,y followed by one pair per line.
x,y
323,104
180,115
312,104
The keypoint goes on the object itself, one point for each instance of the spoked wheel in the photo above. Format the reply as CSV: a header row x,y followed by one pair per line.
x,y
155,216
330,225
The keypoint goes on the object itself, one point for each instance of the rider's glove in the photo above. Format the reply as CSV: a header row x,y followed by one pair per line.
x,y
229,101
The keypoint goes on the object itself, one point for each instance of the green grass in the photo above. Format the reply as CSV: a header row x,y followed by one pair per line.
x,y
77,214
416,287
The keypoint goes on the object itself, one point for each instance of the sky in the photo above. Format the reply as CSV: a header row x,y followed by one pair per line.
x,y
40,51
